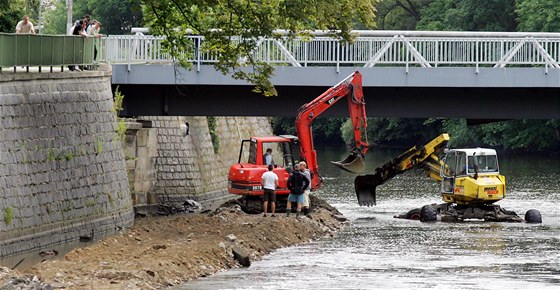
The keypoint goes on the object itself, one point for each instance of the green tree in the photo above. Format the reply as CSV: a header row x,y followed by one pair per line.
x,y
54,20
219,21
324,130
538,15
395,132
399,14
10,13
468,15
516,135
116,16
522,135
462,135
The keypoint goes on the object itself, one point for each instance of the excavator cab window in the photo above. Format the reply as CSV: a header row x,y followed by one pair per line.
x,y
486,163
287,155
449,167
449,171
252,152
470,165
461,163
274,149
281,153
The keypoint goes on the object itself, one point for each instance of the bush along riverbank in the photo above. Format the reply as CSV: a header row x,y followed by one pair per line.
x,y
159,252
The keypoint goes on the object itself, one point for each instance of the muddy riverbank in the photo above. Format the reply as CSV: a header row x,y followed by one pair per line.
x,y
159,252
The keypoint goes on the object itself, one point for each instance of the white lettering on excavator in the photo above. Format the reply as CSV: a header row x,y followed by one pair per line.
x,y
331,100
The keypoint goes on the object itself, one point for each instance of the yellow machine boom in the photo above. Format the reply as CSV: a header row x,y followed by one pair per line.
x,y
426,155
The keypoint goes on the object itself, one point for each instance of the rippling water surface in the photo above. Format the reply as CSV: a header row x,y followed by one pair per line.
x,y
380,252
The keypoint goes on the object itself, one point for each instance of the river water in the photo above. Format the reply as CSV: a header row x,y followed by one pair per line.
x,y
378,251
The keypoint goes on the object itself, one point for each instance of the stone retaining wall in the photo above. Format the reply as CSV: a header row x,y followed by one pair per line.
x,y
186,165
62,169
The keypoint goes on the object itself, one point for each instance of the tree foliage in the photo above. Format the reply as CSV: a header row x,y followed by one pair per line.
x,y
55,19
394,132
220,21
518,135
324,130
10,13
399,14
116,16
538,15
468,15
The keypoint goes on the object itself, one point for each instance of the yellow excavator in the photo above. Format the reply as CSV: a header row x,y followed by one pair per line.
x,y
470,183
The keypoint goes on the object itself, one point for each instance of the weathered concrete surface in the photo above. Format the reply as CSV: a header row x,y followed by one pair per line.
x,y
174,165
62,169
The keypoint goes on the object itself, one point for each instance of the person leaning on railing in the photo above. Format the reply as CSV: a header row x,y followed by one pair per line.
x,y
78,30
25,26
93,31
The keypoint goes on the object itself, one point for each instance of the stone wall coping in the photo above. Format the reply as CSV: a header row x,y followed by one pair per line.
x,y
103,70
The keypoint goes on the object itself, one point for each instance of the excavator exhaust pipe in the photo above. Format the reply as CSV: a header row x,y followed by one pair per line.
x,y
353,163
365,186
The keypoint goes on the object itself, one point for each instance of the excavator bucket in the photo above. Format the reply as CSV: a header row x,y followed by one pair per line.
x,y
353,163
365,186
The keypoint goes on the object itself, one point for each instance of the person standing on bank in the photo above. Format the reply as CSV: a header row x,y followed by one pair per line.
x,y
307,174
269,182
25,26
297,183
268,157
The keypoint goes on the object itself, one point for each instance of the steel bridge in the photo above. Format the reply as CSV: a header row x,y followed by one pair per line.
x,y
480,75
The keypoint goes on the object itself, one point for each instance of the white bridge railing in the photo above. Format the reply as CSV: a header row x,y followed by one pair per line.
x,y
371,48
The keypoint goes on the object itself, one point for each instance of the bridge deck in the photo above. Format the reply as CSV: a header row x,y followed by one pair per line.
x,y
390,92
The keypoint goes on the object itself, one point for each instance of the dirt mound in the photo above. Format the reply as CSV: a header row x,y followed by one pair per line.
x,y
315,202
159,252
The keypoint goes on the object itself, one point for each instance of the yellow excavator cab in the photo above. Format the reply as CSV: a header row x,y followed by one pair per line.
x,y
471,176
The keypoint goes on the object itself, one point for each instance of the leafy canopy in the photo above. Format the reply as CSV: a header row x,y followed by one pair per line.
x,y
399,14
468,15
116,16
538,15
220,21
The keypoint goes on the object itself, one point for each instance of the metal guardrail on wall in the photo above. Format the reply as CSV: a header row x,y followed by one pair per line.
x,y
44,50
371,48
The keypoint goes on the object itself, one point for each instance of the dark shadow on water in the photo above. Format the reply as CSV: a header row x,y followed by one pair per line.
x,y
365,219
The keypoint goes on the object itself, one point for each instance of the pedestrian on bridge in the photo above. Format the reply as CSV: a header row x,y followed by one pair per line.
x,y
80,31
25,26
93,31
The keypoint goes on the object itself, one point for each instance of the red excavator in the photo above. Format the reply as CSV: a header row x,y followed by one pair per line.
x,y
245,176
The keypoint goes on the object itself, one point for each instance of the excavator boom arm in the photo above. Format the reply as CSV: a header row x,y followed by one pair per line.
x,y
425,156
350,87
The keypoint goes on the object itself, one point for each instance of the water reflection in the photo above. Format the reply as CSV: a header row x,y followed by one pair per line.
x,y
380,252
